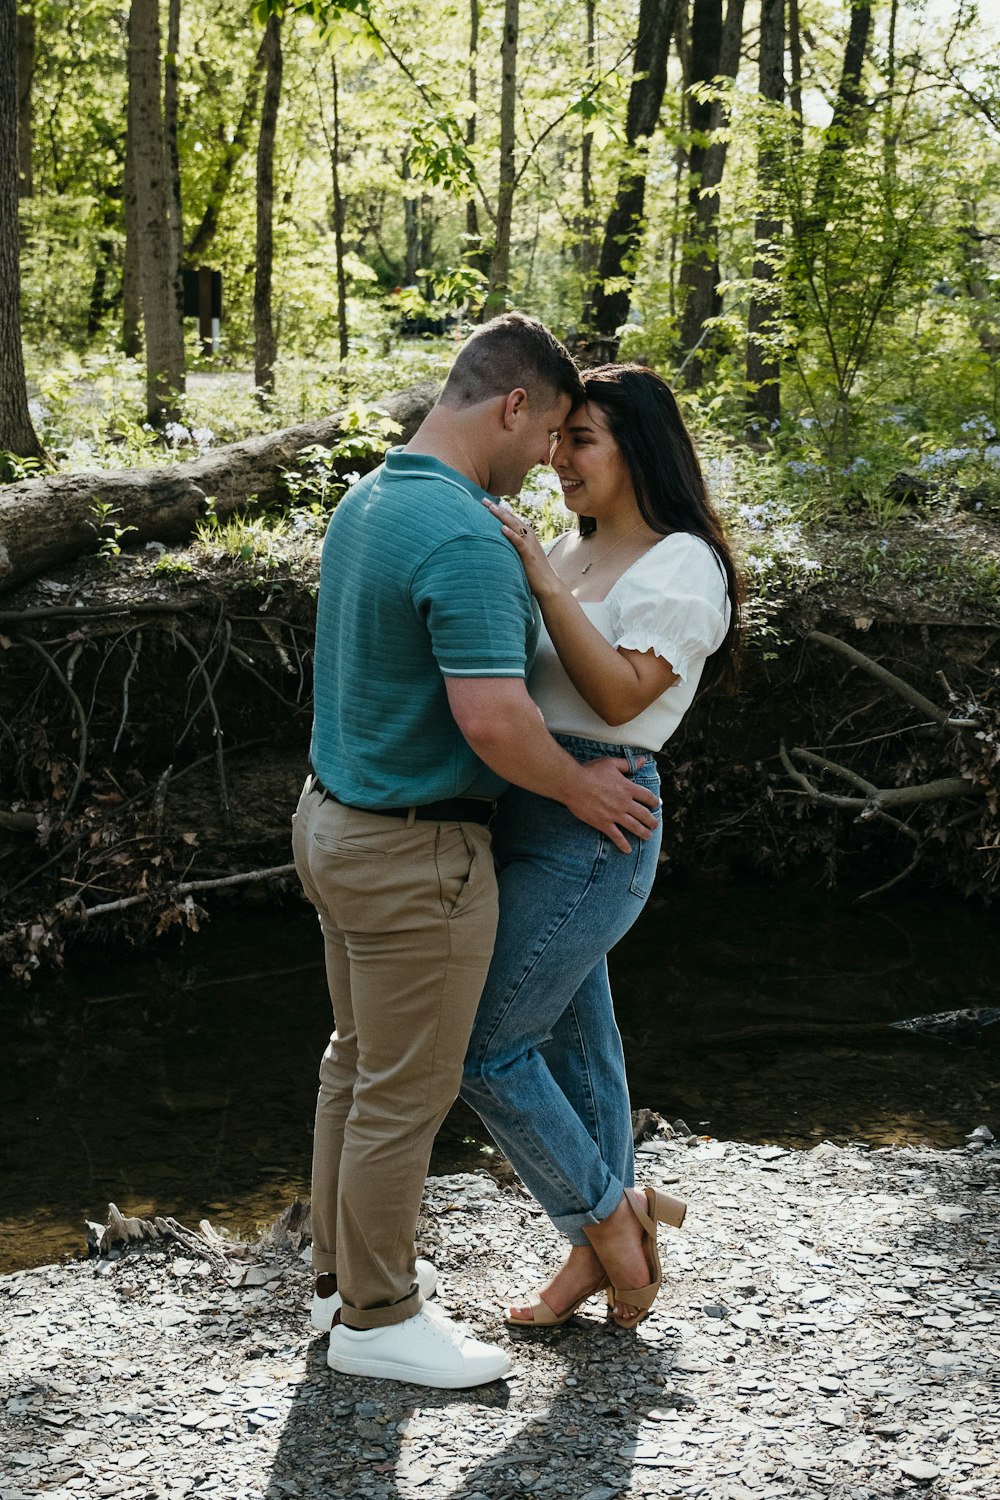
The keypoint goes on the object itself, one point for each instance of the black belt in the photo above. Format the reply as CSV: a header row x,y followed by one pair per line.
x,y
448,810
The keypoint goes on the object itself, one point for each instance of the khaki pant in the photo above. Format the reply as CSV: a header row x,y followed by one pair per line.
x,y
408,911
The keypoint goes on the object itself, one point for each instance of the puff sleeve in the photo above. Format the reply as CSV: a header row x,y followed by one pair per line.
x,y
672,601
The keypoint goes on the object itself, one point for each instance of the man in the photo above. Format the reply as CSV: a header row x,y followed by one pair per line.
x,y
425,628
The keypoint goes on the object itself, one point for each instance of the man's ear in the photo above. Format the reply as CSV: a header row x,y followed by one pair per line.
x,y
517,401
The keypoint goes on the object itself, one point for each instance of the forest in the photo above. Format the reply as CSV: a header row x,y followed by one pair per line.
x,y
237,247
791,208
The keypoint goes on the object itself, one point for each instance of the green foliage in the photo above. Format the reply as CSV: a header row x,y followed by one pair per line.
x,y
169,566
319,480
13,467
108,531
250,540
439,153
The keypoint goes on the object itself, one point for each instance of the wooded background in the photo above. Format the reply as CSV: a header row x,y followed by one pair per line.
x,y
789,207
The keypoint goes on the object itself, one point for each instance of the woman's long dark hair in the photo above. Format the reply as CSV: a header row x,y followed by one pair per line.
x,y
645,421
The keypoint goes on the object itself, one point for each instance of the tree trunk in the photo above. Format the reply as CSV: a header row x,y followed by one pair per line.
x,y
499,283
131,279
170,131
795,69
976,279
25,74
45,522
763,366
411,230
428,224
588,248
99,301
623,232
715,52
17,435
161,290
265,349
338,218
474,253
850,111
233,154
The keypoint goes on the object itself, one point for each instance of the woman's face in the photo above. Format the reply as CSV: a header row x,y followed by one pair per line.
x,y
592,471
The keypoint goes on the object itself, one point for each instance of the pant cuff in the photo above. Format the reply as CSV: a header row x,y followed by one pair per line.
x,y
323,1263
572,1225
382,1317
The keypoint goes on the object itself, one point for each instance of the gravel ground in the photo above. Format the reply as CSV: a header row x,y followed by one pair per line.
x,y
827,1328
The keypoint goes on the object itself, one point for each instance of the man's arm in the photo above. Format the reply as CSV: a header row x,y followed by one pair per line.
x,y
503,726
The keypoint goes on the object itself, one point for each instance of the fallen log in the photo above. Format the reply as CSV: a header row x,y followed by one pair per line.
x,y
45,522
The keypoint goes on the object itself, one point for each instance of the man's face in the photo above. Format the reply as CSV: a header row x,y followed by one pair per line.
x,y
529,442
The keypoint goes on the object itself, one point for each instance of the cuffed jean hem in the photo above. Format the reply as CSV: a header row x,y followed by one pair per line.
x,y
323,1263
572,1225
382,1317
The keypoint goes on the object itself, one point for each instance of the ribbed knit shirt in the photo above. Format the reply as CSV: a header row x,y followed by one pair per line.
x,y
416,585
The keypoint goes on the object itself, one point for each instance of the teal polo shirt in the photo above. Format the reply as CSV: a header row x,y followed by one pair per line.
x,y
416,585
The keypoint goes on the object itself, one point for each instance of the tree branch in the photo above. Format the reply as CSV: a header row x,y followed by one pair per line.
x,y
897,684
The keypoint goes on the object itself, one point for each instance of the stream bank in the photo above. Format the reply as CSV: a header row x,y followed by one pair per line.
x,y
827,1328
156,727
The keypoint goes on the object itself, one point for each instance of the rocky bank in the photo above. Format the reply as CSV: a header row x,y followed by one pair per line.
x,y
827,1328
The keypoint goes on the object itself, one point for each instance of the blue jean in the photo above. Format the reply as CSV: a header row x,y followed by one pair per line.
x,y
545,1070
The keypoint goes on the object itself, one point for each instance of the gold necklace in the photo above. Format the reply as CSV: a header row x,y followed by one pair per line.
x,y
608,550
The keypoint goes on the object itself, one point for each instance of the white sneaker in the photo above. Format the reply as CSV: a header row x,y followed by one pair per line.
x,y
427,1349
324,1309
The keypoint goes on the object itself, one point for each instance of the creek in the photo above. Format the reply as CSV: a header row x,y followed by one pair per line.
x,y
181,1080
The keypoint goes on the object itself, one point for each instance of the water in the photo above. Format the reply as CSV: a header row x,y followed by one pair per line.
x,y
182,1081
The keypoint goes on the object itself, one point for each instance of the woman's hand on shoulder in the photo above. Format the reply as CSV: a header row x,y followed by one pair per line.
x,y
538,570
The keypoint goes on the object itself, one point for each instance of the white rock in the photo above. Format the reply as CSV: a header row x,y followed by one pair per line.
x,y
916,1468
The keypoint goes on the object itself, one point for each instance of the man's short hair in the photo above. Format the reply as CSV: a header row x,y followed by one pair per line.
x,y
511,350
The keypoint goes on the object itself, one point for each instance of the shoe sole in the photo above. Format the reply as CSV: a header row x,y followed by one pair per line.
x,y
380,1369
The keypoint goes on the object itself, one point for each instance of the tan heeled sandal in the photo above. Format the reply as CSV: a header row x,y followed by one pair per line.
x,y
542,1315
661,1208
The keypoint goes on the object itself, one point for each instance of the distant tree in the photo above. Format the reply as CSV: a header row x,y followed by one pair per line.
x,y
763,367
17,435
851,110
499,274
131,277
474,252
332,134
714,54
625,225
170,106
265,349
237,143
25,124
160,275
588,247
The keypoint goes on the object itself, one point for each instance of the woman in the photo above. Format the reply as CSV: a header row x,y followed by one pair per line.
x,y
638,606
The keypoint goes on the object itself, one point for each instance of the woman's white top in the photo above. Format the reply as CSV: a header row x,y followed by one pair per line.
x,y
673,601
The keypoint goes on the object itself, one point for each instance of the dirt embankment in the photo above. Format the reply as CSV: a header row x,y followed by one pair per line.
x,y
155,729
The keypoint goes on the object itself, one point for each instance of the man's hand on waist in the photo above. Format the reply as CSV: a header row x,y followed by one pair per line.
x,y
609,801
505,729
